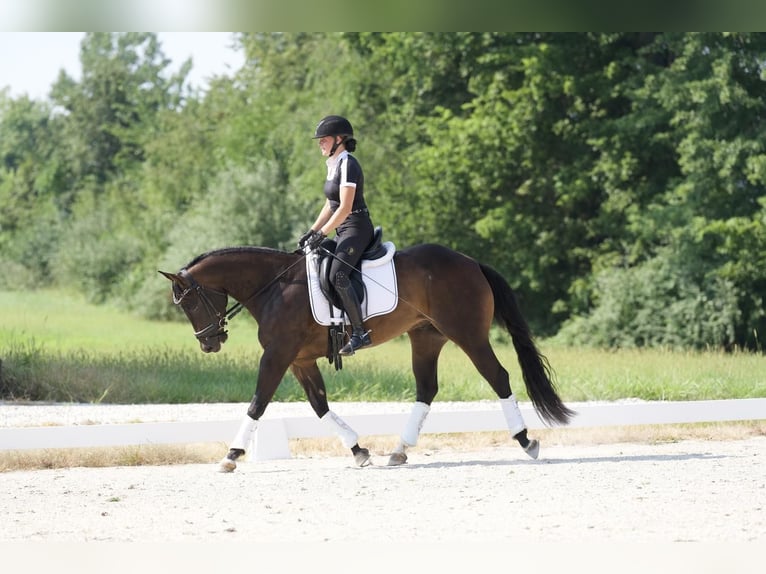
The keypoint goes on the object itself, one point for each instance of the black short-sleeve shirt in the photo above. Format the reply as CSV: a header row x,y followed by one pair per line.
x,y
342,172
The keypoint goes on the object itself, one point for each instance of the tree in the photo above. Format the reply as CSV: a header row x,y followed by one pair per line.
x,y
705,105
617,180
107,116
30,177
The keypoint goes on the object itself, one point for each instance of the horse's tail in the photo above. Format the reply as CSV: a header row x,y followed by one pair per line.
x,y
535,369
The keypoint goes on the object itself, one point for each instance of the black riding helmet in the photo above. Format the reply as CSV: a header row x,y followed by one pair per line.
x,y
333,126
336,126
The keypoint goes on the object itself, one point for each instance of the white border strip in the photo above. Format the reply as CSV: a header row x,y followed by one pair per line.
x,y
272,436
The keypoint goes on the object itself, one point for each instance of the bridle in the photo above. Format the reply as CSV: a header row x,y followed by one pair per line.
x,y
217,326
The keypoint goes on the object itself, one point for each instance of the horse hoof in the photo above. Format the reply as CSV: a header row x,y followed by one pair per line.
x,y
227,465
397,458
362,457
532,449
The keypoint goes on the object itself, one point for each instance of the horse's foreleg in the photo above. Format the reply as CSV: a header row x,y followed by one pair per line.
x,y
310,378
272,367
516,426
239,445
348,437
410,434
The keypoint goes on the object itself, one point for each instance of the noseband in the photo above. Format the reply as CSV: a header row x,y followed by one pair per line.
x,y
216,327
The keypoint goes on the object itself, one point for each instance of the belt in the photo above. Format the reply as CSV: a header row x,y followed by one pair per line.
x,y
363,210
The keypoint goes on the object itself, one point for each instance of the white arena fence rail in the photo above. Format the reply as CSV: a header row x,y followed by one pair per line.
x,y
272,437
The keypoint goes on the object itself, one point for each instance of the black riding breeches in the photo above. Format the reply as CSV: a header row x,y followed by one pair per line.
x,y
353,237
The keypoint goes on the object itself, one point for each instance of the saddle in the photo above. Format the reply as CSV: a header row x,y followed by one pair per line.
x,y
375,250
374,281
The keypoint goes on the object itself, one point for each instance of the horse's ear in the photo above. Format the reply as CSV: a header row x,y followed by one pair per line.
x,y
172,276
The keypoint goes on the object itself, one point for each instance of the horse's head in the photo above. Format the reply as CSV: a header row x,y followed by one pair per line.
x,y
204,307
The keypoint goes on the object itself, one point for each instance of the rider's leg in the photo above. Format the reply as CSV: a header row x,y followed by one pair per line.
x,y
359,335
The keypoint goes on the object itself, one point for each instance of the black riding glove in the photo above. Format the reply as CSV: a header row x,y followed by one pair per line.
x,y
305,237
315,240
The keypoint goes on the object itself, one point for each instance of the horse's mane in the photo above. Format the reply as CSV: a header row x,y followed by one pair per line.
x,y
233,251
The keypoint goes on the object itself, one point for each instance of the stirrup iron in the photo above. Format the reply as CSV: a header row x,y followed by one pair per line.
x,y
350,348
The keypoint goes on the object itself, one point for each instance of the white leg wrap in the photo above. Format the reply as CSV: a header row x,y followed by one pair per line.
x,y
347,435
245,433
512,415
414,424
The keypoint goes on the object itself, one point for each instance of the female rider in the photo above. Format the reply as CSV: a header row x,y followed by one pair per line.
x,y
344,212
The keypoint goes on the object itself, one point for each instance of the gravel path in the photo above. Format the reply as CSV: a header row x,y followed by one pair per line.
x,y
686,491
691,490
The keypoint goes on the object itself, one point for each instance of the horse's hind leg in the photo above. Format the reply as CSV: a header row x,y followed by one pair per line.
x,y
516,426
488,365
426,343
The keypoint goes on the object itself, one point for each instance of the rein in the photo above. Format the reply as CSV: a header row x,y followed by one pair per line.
x,y
219,320
235,309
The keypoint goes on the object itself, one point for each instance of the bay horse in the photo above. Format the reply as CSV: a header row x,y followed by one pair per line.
x,y
443,295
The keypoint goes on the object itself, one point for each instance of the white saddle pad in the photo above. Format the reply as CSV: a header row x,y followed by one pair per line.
x,y
381,292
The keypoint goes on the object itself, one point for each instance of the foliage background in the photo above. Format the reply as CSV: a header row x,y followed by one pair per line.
x,y
616,180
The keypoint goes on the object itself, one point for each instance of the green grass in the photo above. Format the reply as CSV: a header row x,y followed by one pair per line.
x,y
62,322
56,347
657,374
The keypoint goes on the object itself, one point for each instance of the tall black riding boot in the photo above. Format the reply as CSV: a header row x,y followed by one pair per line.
x,y
359,337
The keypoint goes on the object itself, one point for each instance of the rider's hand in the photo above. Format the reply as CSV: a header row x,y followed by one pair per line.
x,y
305,237
315,240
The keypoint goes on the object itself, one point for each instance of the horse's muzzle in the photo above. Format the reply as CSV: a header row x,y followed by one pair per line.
x,y
213,347
213,344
